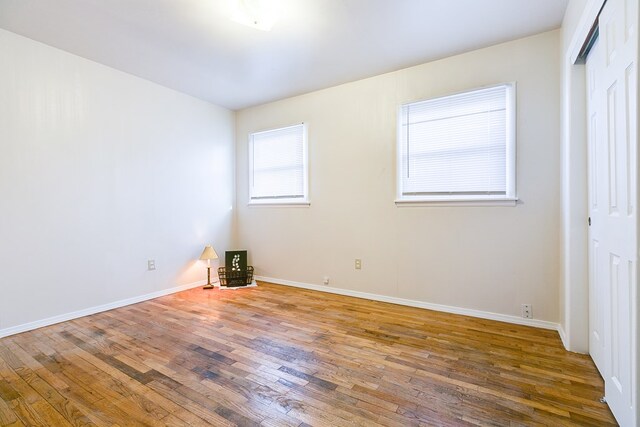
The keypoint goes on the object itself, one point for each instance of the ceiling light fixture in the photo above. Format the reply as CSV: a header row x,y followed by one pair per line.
x,y
258,14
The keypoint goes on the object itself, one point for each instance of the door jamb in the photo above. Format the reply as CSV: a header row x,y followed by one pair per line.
x,y
574,324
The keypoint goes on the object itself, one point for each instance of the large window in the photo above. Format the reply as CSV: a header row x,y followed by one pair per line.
x,y
278,166
458,148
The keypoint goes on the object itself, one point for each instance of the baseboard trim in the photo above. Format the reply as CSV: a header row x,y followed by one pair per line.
x,y
93,310
419,304
563,337
346,292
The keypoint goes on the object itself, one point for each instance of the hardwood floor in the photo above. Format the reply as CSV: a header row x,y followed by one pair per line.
x,y
279,356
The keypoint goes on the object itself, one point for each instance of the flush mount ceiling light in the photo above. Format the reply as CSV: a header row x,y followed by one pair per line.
x,y
258,14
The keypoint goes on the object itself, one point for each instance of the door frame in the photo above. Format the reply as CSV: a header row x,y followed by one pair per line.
x,y
574,328
574,322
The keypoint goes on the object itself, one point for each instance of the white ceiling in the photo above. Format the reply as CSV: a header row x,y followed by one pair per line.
x,y
192,45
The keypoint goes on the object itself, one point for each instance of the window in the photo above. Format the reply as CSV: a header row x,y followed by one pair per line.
x,y
458,148
278,166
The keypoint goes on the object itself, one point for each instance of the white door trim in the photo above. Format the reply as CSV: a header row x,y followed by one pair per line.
x,y
587,20
574,280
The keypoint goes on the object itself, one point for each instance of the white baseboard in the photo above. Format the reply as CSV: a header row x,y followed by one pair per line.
x,y
419,304
93,310
563,337
375,297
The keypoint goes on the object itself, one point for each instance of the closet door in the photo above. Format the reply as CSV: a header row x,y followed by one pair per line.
x,y
598,295
613,205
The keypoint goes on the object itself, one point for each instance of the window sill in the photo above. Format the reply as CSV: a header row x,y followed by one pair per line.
x,y
279,204
457,202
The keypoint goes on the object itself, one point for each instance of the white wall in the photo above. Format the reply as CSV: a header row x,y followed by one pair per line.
x,y
100,171
491,259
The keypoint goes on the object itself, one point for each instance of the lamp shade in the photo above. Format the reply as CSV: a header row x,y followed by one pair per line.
x,y
209,253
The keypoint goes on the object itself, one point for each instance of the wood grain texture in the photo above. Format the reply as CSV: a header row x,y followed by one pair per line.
x,y
280,356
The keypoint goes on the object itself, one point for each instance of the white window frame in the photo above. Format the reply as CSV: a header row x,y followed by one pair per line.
x,y
509,199
295,201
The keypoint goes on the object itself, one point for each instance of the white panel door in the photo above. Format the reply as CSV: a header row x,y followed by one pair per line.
x,y
597,207
613,232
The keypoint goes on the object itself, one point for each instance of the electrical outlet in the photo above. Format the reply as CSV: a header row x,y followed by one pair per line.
x,y
527,311
151,265
326,280
358,264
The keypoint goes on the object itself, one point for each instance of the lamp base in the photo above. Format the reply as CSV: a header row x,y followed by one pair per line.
x,y
209,285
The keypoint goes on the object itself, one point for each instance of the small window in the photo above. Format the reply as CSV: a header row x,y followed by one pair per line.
x,y
458,148
278,166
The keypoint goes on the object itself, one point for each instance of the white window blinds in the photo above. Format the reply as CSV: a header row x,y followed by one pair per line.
x,y
459,146
278,165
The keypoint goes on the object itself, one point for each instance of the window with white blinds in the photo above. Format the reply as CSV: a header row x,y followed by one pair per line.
x,y
278,165
459,147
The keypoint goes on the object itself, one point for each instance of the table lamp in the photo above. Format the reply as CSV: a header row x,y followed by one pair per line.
x,y
208,254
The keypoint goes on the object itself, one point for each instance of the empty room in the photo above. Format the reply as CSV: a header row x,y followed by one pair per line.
x,y
319,213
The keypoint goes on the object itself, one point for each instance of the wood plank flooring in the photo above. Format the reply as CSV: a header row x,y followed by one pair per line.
x,y
280,356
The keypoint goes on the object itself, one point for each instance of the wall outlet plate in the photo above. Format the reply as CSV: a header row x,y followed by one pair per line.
x,y
326,280
151,264
527,311
358,264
